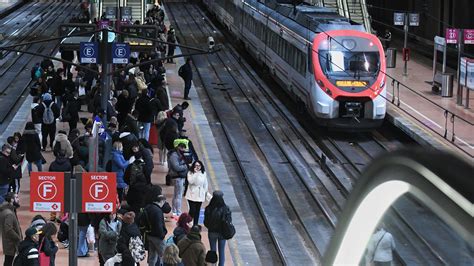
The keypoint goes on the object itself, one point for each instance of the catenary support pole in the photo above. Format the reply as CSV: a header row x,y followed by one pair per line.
x,y
458,75
72,222
405,45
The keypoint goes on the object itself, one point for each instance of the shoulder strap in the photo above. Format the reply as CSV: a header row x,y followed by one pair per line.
x,y
190,244
377,246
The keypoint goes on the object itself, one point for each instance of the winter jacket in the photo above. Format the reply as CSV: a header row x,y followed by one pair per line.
x,y
213,218
380,247
144,108
73,108
177,167
192,250
31,145
54,108
10,229
64,145
187,72
108,238
49,248
197,186
128,231
36,117
60,165
119,164
7,171
147,156
28,254
15,158
178,234
156,221
130,124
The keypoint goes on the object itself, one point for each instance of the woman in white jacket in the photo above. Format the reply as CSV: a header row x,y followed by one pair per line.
x,y
197,189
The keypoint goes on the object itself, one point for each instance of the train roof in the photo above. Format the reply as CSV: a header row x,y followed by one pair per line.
x,y
313,17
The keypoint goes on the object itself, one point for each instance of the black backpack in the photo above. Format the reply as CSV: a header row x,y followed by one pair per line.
x,y
181,71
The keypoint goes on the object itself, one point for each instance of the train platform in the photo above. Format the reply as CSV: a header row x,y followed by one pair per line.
x,y
239,251
429,118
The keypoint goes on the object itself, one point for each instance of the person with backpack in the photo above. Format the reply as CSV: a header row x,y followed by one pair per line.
x,y
177,170
154,221
197,189
129,243
186,73
217,216
49,112
28,254
118,165
135,178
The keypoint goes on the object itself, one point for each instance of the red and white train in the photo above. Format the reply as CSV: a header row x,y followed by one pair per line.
x,y
328,63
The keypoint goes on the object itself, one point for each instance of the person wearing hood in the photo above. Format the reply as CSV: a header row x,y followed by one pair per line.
x,y
191,249
61,163
31,145
28,254
61,143
48,125
11,231
119,164
129,230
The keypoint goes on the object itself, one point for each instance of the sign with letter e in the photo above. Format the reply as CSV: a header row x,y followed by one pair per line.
x,y
120,53
99,192
47,192
89,52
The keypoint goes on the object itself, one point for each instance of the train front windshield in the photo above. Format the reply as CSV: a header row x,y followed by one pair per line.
x,y
342,57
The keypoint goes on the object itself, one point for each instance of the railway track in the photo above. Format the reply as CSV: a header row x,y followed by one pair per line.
x,y
38,20
277,158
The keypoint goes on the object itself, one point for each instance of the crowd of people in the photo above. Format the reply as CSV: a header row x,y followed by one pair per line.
x,y
137,119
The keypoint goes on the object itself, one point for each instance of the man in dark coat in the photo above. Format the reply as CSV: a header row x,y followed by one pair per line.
x,y
61,163
30,144
10,229
145,114
72,108
7,171
186,73
156,225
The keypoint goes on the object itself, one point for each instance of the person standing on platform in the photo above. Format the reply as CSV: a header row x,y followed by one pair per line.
x,y
16,158
109,231
387,38
191,248
47,244
7,171
214,216
30,144
83,222
171,38
49,112
10,229
178,171
197,189
28,254
380,248
156,224
186,73
119,164
145,114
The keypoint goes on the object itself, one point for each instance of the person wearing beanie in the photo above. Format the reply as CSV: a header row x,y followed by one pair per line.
x,y
49,112
129,230
28,253
191,249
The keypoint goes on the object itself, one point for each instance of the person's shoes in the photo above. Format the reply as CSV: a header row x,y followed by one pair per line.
x,y
187,98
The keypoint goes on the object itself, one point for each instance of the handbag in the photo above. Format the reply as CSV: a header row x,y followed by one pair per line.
x,y
228,229
43,259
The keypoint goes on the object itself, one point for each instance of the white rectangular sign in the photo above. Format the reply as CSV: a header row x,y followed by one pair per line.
x,y
98,206
47,206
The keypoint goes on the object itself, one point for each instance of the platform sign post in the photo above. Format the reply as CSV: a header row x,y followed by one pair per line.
x,y
120,53
406,20
89,52
99,192
47,192
468,36
451,35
